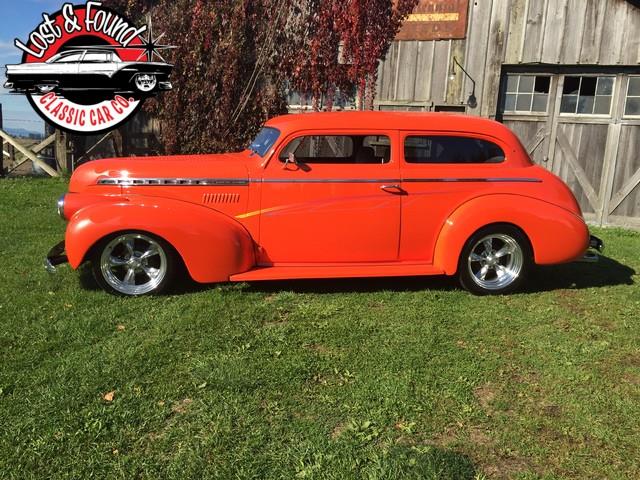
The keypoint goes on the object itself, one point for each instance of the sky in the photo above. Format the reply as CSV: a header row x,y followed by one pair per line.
x,y
17,19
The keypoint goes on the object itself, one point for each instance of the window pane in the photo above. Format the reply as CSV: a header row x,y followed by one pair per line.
x,y
633,106
588,86
451,150
634,86
526,84
96,57
342,149
571,85
540,102
523,103
605,86
512,83
569,104
542,84
585,105
70,58
603,105
510,102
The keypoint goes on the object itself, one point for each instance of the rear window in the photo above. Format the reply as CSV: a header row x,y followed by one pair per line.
x,y
442,149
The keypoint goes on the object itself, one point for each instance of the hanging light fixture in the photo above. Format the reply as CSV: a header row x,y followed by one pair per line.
x,y
472,101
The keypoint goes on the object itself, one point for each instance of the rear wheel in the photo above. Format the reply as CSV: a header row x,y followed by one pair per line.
x,y
134,263
495,260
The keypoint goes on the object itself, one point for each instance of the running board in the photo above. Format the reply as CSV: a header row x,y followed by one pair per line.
x,y
359,270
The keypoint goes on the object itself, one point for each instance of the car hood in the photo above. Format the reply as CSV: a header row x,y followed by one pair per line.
x,y
165,170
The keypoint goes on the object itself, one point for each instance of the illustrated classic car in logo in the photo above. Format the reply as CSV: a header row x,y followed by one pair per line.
x,y
87,69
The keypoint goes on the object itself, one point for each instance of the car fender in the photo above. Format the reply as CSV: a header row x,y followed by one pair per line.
x,y
556,235
212,245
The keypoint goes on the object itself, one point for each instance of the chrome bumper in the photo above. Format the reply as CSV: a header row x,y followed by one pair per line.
x,y
596,246
55,257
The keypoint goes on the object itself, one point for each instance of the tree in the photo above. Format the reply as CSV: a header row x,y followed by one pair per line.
x,y
236,60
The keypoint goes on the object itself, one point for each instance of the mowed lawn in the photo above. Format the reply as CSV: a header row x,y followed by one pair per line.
x,y
363,378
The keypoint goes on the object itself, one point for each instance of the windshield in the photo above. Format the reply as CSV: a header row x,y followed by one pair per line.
x,y
264,140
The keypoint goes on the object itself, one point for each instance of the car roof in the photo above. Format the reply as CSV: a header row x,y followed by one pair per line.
x,y
377,120
412,121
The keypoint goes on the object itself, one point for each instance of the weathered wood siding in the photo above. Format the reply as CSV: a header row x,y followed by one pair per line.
x,y
509,32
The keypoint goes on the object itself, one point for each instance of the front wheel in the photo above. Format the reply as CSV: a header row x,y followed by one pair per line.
x,y
134,263
495,260
145,82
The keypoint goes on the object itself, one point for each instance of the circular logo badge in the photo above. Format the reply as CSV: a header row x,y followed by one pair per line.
x,y
87,69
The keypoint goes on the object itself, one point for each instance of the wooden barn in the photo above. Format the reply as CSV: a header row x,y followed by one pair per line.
x,y
563,74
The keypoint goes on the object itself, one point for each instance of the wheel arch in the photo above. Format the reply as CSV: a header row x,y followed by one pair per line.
x,y
211,245
555,235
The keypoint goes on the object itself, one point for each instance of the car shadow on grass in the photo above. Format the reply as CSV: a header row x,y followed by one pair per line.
x,y
577,275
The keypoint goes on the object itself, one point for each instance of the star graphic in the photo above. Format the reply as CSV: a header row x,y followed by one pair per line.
x,y
150,45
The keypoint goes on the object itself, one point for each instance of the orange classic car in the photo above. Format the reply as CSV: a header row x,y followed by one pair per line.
x,y
325,195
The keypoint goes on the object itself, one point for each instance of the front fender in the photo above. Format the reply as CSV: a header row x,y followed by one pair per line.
x,y
212,245
556,235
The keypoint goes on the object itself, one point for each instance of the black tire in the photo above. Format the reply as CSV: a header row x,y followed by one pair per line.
x,y
112,263
505,266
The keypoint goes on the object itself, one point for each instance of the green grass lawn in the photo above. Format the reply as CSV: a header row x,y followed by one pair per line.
x,y
383,378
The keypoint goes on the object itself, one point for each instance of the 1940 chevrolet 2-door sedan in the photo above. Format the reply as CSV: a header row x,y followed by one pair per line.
x,y
323,195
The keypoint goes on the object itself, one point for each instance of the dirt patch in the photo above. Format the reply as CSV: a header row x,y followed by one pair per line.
x,y
181,406
505,467
445,438
485,394
316,347
553,411
569,300
478,436
338,430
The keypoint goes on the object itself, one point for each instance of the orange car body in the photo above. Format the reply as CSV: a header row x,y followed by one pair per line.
x,y
244,216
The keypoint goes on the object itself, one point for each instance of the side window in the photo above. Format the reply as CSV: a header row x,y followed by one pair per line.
x,y
440,149
97,57
71,58
339,149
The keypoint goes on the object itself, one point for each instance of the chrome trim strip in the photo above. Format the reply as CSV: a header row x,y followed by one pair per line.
x,y
179,182
224,182
487,180
397,180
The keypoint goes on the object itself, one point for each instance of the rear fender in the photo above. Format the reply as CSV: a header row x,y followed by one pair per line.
x,y
212,245
556,235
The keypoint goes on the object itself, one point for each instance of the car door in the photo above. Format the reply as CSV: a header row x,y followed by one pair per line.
x,y
65,68
441,171
96,68
331,197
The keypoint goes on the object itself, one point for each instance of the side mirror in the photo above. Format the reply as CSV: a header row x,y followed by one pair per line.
x,y
291,158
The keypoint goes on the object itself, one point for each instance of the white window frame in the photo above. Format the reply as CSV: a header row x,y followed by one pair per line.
x,y
589,115
627,96
528,112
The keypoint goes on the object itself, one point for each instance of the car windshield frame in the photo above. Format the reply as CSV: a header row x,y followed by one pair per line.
x,y
264,140
66,53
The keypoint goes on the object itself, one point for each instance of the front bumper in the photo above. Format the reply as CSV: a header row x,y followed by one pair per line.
x,y
596,246
55,257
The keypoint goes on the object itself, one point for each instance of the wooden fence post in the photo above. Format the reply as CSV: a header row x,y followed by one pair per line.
x,y
61,151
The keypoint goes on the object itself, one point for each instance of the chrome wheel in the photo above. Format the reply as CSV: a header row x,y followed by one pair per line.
x,y
133,264
145,82
495,261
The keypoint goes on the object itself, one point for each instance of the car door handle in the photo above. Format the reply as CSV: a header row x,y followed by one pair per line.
x,y
392,188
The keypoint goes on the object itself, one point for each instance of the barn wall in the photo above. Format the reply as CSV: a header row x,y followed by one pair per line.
x,y
511,32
